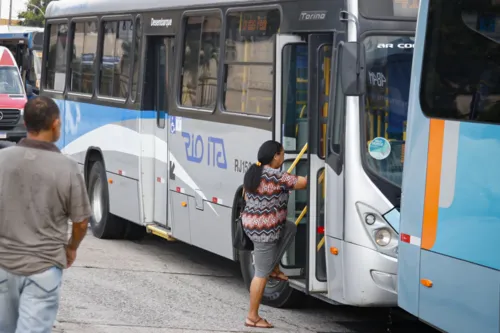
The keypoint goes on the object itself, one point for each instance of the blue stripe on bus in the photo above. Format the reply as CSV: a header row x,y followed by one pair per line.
x,y
91,117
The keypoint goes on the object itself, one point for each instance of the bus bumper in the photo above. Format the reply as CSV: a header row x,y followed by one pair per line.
x,y
370,278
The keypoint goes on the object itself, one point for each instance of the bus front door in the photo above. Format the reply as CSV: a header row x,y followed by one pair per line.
x,y
303,78
160,77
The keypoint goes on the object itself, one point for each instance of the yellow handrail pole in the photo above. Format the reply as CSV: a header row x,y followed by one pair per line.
x,y
321,177
294,164
300,117
301,216
320,244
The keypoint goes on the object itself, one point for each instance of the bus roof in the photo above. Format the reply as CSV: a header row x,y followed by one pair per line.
x,y
65,8
18,29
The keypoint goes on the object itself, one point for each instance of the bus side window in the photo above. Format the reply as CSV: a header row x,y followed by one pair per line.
x,y
200,61
248,65
55,77
137,58
83,57
294,96
116,59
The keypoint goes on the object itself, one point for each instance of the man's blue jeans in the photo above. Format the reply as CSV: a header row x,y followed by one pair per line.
x,y
29,304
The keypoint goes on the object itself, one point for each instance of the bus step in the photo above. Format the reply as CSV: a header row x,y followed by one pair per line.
x,y
160,231
298,284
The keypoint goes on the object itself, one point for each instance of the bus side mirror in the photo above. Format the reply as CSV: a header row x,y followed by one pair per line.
x,y
352,69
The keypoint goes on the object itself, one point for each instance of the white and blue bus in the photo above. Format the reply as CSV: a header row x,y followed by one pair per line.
x,y
164,105
449,258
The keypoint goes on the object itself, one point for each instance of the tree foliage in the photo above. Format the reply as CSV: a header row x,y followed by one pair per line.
x,y
32,16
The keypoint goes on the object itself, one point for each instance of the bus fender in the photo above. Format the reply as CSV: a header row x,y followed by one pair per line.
x,y
236,208
93,154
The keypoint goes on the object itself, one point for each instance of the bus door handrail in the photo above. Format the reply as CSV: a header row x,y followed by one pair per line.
x,y
320,180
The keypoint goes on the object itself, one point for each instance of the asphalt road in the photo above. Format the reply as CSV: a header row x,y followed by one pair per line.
x,y
155,286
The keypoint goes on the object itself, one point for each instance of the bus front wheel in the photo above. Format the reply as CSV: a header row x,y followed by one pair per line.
x,y
277,294
104,224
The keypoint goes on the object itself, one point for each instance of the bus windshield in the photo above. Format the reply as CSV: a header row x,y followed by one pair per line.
x,y
10,81
388,66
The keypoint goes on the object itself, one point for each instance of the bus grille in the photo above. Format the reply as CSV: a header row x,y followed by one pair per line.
x,y
9,117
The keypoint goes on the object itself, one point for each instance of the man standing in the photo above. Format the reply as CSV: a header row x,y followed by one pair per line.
x,y
40,189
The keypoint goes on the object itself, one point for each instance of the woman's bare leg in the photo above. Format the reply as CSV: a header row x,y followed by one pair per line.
x,y
256,291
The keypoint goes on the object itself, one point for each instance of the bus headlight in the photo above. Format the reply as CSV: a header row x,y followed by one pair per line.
x,y
383,237
382,234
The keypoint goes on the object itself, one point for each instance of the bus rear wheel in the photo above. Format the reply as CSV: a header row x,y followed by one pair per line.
x,y
104,225
277,294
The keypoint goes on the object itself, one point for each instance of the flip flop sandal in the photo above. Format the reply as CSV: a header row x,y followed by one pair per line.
x,y
256,322
277,277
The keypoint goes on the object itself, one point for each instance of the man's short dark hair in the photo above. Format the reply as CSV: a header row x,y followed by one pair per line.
x,y
39,114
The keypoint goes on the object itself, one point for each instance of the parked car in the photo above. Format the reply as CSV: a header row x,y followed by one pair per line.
x,y
13,97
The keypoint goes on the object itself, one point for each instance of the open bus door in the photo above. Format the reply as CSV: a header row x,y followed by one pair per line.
x,y
303,75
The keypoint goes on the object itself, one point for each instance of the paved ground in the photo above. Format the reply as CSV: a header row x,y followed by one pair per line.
x,y
155,286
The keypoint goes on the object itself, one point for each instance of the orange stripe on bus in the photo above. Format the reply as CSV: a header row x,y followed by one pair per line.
x,y
432,183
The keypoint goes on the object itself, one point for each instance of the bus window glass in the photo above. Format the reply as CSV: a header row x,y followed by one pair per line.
x,y
137,57
36,74
200,61
83,56
388,65
115,61
249,61
461,66
294,96
324,74
56,57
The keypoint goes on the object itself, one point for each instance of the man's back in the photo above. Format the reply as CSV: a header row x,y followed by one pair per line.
x,y
36,186
40,189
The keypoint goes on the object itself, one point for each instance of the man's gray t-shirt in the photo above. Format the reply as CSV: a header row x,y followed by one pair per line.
x,y
40,189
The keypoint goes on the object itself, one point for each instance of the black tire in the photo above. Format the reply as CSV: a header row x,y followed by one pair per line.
x,y
109,226
134,232
277,294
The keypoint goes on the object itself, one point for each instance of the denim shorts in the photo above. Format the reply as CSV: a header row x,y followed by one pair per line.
x,y
29,303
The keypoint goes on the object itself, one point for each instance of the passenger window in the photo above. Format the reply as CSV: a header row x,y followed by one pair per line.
x,y
83,57
337,117
200,61
116,61
249,61
461,66
56,58
294,96
137,58
295,256
324,74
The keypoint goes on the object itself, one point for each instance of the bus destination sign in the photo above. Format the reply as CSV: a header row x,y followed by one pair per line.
x,y
254,24
405,8
390,8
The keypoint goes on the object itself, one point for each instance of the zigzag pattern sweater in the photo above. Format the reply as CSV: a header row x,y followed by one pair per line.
x,y
266,210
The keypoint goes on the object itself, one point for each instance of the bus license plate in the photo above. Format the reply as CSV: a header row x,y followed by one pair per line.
x,y
3,135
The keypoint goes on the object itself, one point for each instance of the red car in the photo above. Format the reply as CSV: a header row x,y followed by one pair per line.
x,y
12,98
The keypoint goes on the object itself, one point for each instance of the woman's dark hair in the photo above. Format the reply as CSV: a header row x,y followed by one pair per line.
x,y
265,156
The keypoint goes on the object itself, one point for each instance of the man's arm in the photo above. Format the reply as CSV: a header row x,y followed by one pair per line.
x,y
77,234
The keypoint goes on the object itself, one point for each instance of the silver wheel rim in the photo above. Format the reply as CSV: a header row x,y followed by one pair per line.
x,y
97,201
